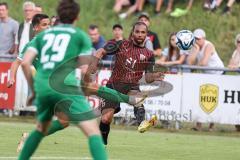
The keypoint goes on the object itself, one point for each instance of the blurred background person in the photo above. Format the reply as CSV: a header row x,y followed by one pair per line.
x,y
172,55
234,62
54,20
169,6
156,3
204,54
144,17
98,40
25,31
133,8
117,31
8,31
38,9
119,4
213,5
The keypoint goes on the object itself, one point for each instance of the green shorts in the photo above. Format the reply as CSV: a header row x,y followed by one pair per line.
x,y
75,107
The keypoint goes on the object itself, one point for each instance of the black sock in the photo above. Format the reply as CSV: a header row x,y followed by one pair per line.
x,y
105,129
139,113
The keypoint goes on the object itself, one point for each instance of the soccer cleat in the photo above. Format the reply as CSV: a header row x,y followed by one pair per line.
x,y
22,141
146,124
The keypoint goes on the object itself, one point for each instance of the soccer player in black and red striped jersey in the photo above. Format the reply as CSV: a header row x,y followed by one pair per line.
x,y
132,60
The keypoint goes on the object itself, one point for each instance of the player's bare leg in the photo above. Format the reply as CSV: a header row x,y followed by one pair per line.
x,y
113,95
22,141
106,119
56,125
91,130
34,140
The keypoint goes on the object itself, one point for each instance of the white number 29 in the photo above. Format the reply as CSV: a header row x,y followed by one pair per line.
x,y
57,43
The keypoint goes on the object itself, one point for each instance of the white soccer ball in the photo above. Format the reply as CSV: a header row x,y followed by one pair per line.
x,y
185,40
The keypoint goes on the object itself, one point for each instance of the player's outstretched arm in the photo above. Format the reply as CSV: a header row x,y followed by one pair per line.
x,y
151,77
94,61
13,72
192,58
26,66
100,53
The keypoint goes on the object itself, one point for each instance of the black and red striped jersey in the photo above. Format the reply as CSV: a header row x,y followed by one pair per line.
x,y
131,62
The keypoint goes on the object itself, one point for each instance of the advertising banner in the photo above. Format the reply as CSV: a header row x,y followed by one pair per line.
x,y
7,95
212,98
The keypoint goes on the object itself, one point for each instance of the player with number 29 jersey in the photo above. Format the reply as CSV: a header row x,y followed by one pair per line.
x,y
56,46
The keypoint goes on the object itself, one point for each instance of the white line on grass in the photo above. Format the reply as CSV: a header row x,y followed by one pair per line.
x,y
58,158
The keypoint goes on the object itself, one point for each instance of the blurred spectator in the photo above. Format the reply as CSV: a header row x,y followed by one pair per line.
x,y
54,20
25,31
38,9
117,31
8,31
133,8
178,12
204,54
227,8
234,63
209,4
172,55
215,4
119,4
97,40
169,6
144,17
157,3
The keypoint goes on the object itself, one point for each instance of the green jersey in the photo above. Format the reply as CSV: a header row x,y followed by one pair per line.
x,y
55,47
21,54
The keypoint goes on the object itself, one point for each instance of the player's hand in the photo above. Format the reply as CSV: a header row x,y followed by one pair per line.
x,y
159,76
30,99
12,50
10,83
159,62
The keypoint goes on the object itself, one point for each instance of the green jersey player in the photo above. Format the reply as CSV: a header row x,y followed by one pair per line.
x,y
53,48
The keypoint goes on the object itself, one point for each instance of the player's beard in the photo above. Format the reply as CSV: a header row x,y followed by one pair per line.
x,y
138,41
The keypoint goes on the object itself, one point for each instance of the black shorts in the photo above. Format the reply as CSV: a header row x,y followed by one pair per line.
x,y
120,87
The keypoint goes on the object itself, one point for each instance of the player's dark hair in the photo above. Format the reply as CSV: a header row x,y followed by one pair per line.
x,y
68,11
137,24
117,26
4,4
93,26
37,19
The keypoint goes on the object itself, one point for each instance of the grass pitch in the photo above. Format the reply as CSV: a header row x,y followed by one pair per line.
x,y
123,145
